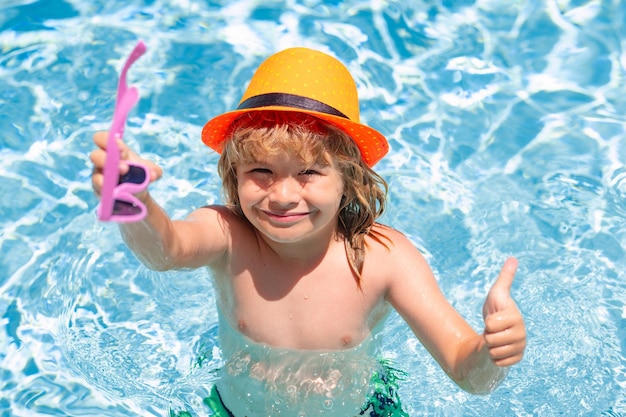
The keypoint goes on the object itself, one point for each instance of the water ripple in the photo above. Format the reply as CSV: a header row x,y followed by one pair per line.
x,y
507,138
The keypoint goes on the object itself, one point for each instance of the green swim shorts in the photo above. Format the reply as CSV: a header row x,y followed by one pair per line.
x,y
214,401
382,402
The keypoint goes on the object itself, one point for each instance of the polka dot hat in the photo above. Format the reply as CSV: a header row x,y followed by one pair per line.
x,y
306,81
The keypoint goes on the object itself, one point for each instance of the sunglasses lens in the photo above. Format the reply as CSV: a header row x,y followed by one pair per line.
x,y
135,175
124,208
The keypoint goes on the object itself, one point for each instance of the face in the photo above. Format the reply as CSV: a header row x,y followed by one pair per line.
x,y
289,202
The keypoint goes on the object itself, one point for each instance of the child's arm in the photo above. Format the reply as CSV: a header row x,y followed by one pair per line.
x,y
477,363
157,241
484,359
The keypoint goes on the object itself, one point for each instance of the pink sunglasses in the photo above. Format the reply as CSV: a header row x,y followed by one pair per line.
x,y
117,201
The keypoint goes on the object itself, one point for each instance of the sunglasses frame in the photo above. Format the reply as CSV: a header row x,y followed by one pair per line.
x,y
116,188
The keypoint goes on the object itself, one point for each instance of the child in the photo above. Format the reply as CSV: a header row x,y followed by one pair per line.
x,y
304,275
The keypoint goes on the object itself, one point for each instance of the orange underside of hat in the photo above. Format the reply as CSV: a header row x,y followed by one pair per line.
x,y
371,143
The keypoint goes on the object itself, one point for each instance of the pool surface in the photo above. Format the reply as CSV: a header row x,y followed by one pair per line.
x,y
507,127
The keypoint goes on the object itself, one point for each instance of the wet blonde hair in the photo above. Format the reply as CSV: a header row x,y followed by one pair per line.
x,y
261,133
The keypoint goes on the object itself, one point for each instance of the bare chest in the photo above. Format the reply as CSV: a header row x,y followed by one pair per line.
x,y
318,307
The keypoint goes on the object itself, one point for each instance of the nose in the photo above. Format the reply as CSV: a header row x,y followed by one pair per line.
x,y
285,191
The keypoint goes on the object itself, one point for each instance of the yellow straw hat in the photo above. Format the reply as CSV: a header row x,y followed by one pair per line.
x,y
305,81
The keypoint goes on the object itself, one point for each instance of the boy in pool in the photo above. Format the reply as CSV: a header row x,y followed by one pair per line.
x,y
304,275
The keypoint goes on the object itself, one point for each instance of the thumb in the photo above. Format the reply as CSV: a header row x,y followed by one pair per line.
x,y
507,274
500,292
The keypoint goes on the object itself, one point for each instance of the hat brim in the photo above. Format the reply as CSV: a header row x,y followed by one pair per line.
x,y
373,144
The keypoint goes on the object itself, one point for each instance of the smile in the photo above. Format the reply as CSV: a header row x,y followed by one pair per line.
x,y
285,217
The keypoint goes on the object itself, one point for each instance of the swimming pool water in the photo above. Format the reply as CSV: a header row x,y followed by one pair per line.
x,y
507,127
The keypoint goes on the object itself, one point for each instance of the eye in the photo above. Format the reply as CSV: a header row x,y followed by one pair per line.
x,y
316,169
261,171
257,172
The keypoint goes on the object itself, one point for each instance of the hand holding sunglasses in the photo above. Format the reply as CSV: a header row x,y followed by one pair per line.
x,y
117,200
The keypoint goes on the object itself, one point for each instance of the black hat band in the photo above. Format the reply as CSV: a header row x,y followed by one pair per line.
x,y
290,100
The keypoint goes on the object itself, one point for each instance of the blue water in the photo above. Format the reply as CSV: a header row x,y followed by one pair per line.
x,y
506,121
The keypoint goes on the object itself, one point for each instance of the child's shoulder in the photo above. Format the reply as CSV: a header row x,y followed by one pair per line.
x,y
387,235
385,241
219,211
228,220
395,259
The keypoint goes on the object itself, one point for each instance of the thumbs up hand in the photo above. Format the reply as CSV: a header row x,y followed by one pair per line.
x,y
505,333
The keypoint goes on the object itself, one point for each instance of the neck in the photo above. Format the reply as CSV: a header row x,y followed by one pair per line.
x,y
306,251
